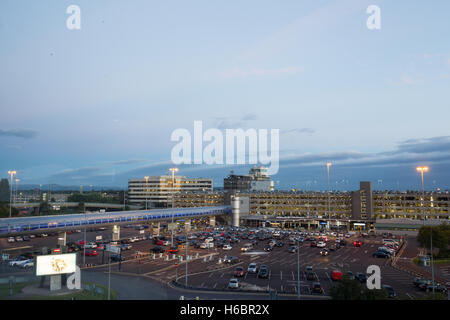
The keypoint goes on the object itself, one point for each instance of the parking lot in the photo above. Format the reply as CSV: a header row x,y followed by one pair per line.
x,y
207,267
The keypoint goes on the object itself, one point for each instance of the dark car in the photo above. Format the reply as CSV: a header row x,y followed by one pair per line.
x,y
26,238
231,260
313,244
293,249
316,288
362,277
437,288
332,248
263,272
418,281
116,257
324,252
157,249
381,254
280,243
351,275
311,276
268,248
343,242
390,291
125,246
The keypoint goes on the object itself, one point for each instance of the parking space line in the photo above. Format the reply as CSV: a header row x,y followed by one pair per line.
x,y
281,275
293,278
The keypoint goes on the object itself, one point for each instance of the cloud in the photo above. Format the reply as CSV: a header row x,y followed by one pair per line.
x,y
19,133
249,116
300,130
239,73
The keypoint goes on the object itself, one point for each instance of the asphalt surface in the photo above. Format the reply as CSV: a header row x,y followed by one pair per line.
x,y
207,271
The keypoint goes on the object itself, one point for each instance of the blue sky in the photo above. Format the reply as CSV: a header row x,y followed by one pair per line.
x,y
97,106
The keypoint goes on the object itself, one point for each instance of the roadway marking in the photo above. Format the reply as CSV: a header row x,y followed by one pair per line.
x,y
281,276
215,284
222,275
293,278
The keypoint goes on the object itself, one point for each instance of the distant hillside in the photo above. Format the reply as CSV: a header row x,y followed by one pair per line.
x,y
57,187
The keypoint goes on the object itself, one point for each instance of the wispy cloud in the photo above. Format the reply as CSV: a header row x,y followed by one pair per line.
x,y
19,133
241,73
300,130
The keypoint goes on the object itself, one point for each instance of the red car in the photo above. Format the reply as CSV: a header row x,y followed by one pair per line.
x,y
92,253
173,250
159,243
357,243
239,272
81,242
101,247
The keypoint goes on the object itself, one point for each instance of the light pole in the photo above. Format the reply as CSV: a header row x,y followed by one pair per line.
x,y
298,268
17,191
328,174
422,170
146,191
11,173
173,170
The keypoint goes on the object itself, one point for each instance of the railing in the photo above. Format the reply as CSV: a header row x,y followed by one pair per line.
x,y
8,226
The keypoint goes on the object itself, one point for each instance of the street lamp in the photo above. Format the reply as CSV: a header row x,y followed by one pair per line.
x,y
328,174
146,190
173,170
11,173
422,170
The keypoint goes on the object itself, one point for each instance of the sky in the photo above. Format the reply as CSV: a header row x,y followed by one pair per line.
x,y
97,106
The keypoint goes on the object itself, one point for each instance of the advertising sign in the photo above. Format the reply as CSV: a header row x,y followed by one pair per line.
x,y
56,264
98,238
142,231
113,249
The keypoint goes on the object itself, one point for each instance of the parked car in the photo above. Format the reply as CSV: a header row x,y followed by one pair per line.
x,y
231,260
390,291
116,258
227,247
293,249
321,244
419,281
91,253
27,264
26,238
311,276
233,284
362,277
19,239
336,275
268,248
90,245
11,239
381,254
332,247
252,268
18,260
126,246
316,288
350,275
263,272
309,268
313,244
239,272
157,249
247,247
173,249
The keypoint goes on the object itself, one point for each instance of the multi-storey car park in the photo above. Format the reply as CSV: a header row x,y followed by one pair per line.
x,y
362,209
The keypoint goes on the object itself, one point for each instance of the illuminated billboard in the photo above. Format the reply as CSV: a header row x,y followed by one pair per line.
x,y
55,264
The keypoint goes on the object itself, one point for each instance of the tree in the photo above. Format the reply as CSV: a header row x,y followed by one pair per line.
x,y
441,238
347,289
4,190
